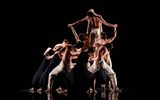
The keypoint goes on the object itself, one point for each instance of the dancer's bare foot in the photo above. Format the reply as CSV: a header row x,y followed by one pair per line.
x,y
48,90
118,90
32,89
111,90
59,90
64,92
40,90
90,90
103,87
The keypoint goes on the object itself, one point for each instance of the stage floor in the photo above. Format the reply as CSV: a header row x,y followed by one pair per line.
x,y
100,95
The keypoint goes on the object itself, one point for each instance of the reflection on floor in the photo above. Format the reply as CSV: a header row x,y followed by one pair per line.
x,y
101,95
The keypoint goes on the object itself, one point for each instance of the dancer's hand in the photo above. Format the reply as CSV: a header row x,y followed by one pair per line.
x,y
47,50
69,25
115,25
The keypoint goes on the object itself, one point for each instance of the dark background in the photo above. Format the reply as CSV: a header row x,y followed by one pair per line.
x,y
30,27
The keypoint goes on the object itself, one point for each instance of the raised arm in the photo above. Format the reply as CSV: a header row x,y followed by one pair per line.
x,y
114,34
74,33
57,51
57,46
47,50
46,53
65,54
109,40
79,21
105,22
88,28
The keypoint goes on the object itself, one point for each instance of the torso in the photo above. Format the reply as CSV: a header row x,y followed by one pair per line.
x,y
95,22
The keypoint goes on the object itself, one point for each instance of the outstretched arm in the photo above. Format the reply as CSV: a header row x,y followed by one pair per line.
x,y
57,51
78,22
74,33
105,22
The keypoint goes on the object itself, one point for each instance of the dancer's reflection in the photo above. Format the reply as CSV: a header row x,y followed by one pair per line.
x,y
113,95
49,96
56,96
103,95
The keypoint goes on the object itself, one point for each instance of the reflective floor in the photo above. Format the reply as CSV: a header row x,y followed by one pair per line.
x,y
24,95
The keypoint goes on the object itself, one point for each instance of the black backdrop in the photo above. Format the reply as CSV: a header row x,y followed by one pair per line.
x,y
30,27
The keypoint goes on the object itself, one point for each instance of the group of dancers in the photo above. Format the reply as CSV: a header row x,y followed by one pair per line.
x,y
85,66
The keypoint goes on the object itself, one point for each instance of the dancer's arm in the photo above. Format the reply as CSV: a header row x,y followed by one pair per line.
x,y
105,22
65,54
78,22
107,57
47,50
74,33
57,46
114,34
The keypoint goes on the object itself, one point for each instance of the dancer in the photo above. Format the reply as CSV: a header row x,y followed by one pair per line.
x,y
55,59
48,54
101,61
64,64
94,26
